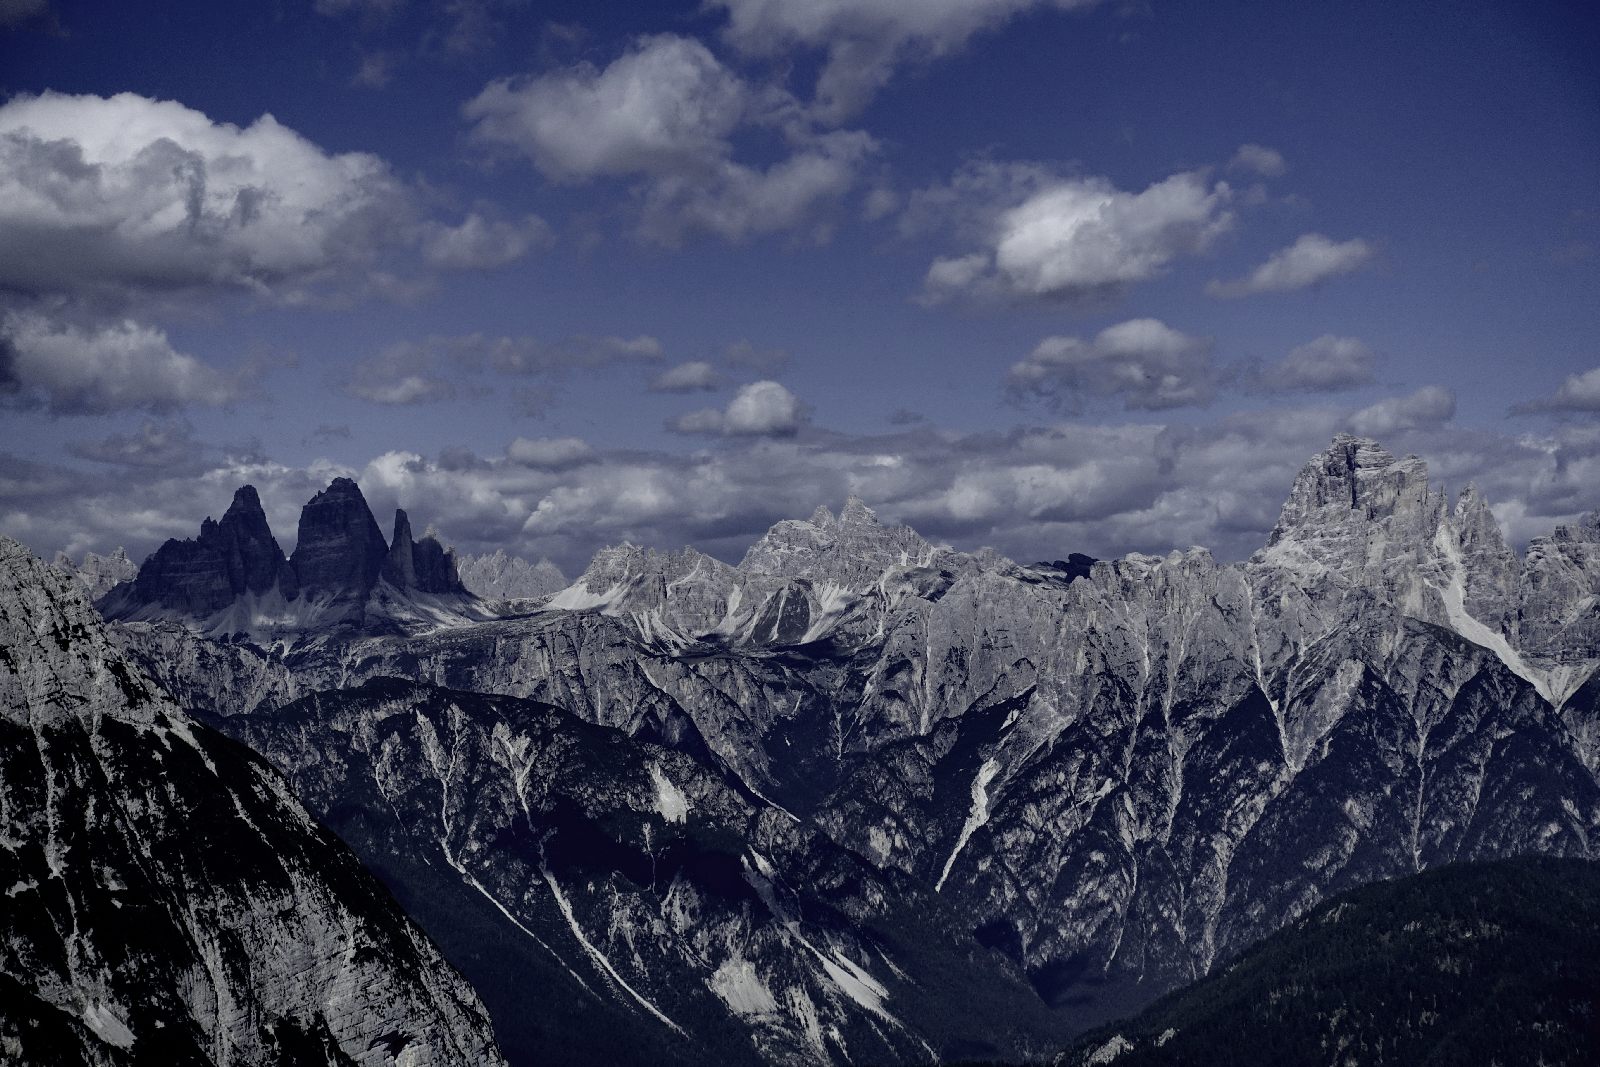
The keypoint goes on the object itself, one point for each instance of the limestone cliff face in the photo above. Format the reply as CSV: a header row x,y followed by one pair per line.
x,y
230,559
424,565
339,551
168,899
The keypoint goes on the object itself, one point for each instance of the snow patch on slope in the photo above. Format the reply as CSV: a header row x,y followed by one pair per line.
x,y
975,818
1454,595
107,1025
670,801
599,957
737,985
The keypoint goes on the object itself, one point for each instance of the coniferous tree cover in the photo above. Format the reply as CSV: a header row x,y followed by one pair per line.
x,y
1471,964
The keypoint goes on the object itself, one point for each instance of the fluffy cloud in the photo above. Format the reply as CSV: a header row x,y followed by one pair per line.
x,y
665,112
1312,258
1428,407
735,201
760,409
479,243
666,106
692,377
130,194
866,39
550,453
1069,239
1324,365
1579,393
93,370
1143,362
1258,159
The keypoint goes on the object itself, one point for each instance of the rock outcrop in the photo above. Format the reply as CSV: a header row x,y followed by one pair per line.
x,y
425,565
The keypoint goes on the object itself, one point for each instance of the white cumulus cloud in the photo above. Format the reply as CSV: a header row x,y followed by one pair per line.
x,y
864,40
1324,365
480,243
1073,239
1579,393
665,106
1258,159
128,193
70,369
695,376
550,453
760,409
664,114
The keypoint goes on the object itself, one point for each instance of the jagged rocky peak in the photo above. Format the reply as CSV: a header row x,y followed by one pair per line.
x,y
1491,570
260,560
340,549
506,577
424,565
234,577
627,562
98,574
852,550
856,513
686,589
1355,481
1560,592
202,575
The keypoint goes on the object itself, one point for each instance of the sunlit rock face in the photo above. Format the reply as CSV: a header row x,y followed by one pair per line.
x,y
169,901
1119,772
98,574
498,576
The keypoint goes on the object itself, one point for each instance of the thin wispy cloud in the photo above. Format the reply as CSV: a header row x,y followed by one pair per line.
x,y
1310,260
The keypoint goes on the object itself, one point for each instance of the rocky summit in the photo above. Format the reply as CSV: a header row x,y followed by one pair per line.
x,y
234,579
864,797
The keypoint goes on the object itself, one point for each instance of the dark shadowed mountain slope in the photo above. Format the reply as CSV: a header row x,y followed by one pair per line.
x,y
617,903
1472,965
167,901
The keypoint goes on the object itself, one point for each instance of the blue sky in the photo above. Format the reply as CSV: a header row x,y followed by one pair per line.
x,y
1050,276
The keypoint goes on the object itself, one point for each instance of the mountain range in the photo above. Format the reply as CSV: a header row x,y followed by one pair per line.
x,y
864,798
